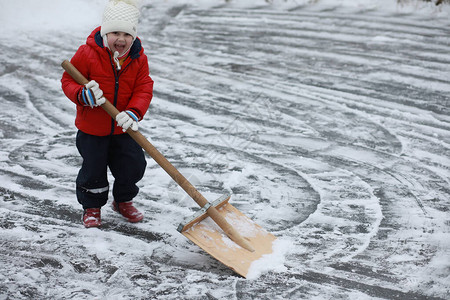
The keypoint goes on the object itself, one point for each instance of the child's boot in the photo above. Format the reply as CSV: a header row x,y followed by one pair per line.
x,y
127,210
91,217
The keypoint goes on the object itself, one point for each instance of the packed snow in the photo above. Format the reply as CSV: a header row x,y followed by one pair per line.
x,y
328,121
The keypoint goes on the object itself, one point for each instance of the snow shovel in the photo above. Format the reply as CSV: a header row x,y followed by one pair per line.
x,y
219,237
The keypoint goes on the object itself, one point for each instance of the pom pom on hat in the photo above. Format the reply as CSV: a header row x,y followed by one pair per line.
x,y
120,15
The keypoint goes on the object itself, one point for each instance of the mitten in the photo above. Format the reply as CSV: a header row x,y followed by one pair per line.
x,y
91,94
127,118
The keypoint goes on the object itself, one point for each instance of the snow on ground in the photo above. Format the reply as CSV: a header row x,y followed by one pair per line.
x,y
327,120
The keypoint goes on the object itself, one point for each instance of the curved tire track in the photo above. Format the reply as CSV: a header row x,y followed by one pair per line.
x,y
340,119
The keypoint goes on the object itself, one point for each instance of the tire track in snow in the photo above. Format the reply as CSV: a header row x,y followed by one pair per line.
x,y
342,118
310,48
343,69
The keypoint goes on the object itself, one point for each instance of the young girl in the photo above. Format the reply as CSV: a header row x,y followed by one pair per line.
x,y
114,61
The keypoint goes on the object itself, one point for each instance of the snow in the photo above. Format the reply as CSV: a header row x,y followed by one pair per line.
x,y
327,120
28,17
273,262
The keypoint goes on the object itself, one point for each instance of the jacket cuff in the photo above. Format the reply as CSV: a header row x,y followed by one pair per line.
x,y
138,115
79,97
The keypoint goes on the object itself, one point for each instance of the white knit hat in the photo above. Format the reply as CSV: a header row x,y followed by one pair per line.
x,y
120,15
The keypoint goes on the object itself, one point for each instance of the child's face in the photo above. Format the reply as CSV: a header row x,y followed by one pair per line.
x,y
119,41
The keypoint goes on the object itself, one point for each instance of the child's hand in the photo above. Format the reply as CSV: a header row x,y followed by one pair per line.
x,y
92,95
127,118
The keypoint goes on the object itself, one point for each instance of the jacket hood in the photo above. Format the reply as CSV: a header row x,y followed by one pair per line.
x,y
95,40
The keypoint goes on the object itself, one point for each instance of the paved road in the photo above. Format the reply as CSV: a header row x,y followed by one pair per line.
x,y
331,128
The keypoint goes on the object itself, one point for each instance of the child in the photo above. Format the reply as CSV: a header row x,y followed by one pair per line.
x,y
114,61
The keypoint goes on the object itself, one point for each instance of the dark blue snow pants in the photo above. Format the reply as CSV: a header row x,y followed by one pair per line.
x,y
125,160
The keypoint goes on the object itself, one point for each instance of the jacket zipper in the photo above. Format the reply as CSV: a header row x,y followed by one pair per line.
x,y
116,88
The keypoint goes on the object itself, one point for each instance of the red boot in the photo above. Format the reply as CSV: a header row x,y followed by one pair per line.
x,y
91,217
127,210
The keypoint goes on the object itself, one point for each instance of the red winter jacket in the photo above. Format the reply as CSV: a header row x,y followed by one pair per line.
x,y
131,88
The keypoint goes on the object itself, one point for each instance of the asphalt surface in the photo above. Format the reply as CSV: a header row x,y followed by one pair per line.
x,y
331,128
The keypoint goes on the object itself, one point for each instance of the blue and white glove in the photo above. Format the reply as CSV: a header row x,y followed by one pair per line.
x,y
92,95
127,119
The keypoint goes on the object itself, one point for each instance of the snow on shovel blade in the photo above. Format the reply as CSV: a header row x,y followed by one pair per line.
x,y
204,232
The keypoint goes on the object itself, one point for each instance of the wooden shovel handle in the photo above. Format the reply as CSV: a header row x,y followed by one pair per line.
x,y
166,165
